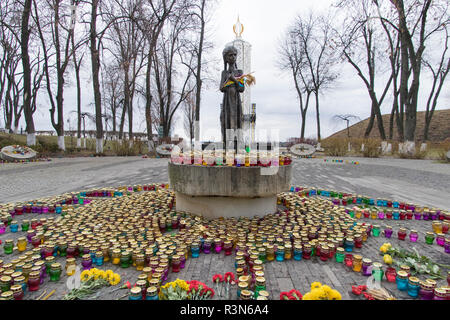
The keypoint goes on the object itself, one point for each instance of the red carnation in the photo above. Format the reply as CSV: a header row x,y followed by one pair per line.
x,y
217,278
356,290
296,294
285,295
229,277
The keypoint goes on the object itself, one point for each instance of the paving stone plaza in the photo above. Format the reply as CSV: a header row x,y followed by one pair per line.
x,y
420,182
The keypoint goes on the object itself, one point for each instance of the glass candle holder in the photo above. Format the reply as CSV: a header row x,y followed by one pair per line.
x,y
402,215
417,215
324,253
195,250
2,228
447,247
8,246
87,262
349,244
437,227
14,226
413,236
402,280
55,272
348,260
376,231
440,294
401,234
367,267
297,252
307,252
396,215
429,237
135,293
270,253
340,255
125,259
357,263
5,283
218,245
413,287
99,259
228,247
440,239
389,214
358,240
426,291
22,244
152,293
206,246
115,256
176,265
280,253
33,281
377,271
388,232
391,274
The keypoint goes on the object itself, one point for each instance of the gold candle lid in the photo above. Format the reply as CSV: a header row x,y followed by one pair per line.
x,y
8,295
152,290
135,290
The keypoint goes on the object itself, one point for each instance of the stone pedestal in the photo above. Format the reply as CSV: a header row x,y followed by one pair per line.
x,y
228,191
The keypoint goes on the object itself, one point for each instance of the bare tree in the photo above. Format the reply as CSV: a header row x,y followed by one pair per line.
x,y
346,118
53,20
189,116
439,73
172,82
415,22
362,45
151,22
126,43
314,34
293,59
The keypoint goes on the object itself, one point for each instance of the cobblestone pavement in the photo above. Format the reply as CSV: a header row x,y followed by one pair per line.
x,y
415,181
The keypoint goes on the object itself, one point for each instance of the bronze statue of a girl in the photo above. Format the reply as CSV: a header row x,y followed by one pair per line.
x,y
231,84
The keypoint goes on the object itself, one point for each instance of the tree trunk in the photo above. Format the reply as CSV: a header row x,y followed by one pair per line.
x,y
25,36
198,76
371,121
95,61
317,116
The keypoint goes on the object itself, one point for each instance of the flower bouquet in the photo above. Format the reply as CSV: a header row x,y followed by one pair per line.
x,y
175,290
92,280
418,264
291,295
322,292
199,291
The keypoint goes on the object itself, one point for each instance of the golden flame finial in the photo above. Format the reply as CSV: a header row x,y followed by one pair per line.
x,y
238,28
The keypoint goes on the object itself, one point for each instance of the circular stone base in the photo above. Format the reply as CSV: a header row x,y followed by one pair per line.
x,y
215,192
216,207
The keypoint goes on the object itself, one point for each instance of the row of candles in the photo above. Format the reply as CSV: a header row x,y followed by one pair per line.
x,y
249,159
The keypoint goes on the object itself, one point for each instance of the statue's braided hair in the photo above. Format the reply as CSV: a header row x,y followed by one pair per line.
x,y
225,51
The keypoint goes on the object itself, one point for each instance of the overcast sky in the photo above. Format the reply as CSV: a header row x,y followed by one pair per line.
x,y
277,105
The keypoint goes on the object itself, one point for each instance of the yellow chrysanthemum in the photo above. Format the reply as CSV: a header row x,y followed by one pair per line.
x,y
315,285
182,284
326,289
100,275
388,245
115,280
387,259
334,295
383,249
94,271
307,296
86,275
109,274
